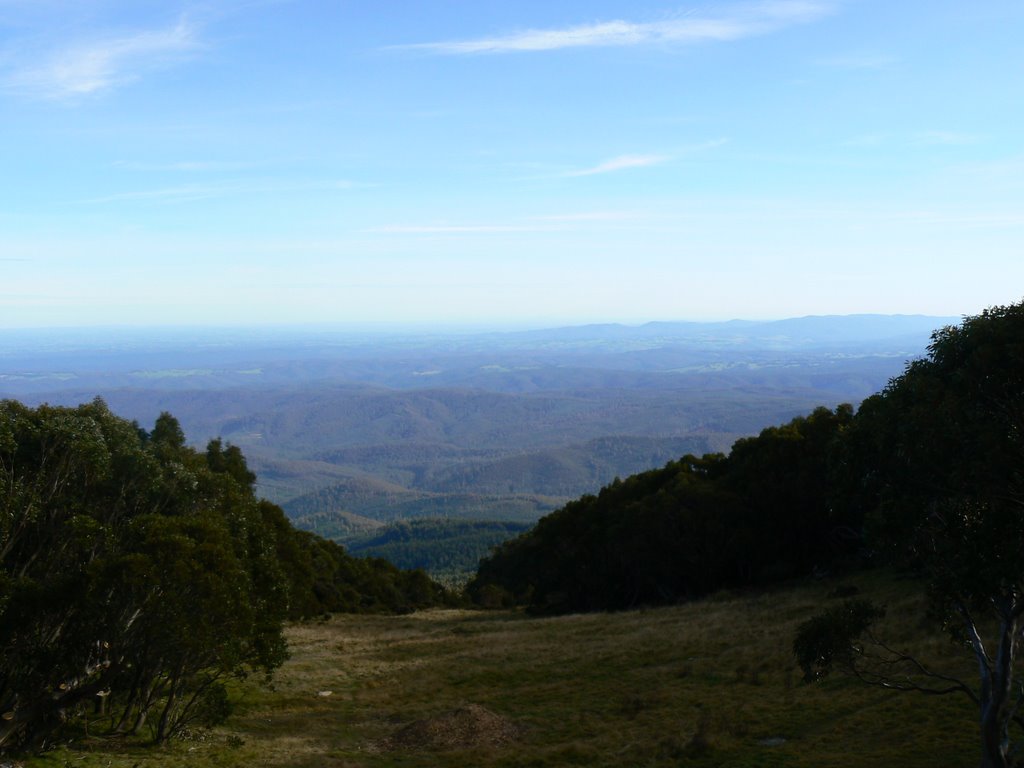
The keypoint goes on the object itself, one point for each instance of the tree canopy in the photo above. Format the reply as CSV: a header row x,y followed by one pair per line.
x,y
137,575
699,524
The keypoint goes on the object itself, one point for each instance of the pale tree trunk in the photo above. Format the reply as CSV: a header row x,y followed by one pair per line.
x,y
996,694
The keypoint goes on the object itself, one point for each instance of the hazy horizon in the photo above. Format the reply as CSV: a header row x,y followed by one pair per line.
x,y
430,328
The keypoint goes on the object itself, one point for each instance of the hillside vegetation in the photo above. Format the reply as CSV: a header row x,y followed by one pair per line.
x,y
138,577
387,502
760,514
927,472
449,550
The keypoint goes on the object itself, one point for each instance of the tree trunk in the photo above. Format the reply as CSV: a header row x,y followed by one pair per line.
x,y
994,745
172,700
997,705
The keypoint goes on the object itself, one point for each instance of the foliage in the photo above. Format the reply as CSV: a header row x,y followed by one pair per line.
x,y
694,526
441,547
343,583
343,510
830,639
135,572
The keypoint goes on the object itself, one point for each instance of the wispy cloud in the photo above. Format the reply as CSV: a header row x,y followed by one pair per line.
x,y
934,138
863,60
621,163
454,229
946,138
631,161
591,216
866,140
540,223
183,166
986,219
736,23
84,68
193,192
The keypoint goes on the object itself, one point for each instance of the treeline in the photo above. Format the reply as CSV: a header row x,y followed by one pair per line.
x,y
449,549
138,575
938,451
699,524
382,502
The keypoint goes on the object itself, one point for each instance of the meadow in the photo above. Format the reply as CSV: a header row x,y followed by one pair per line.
x,y
710,683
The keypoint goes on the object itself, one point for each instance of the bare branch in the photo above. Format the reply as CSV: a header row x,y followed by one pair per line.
x,y
888,677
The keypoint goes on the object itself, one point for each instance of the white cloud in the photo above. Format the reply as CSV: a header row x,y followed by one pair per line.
x,y
184,166
192,192
541,223
457,229
736,23
946,138
621,163
866,140
864,60
85,68
591,216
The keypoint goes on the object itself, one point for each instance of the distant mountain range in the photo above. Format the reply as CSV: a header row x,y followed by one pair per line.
x,y
344,426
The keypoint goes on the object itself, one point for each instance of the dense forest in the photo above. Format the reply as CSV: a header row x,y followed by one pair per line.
x,y
449,550
828,490
138,575
760,514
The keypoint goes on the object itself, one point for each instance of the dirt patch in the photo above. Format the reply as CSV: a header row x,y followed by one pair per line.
x,y
468,726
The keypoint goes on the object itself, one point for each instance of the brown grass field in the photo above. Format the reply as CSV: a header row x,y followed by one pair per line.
x,y
711,683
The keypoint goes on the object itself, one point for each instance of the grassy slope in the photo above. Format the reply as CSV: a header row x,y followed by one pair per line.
x,y
626,689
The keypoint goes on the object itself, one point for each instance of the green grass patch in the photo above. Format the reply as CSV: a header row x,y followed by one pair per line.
x,y
706,684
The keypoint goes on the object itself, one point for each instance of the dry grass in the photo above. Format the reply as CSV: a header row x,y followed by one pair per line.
x,y
711,683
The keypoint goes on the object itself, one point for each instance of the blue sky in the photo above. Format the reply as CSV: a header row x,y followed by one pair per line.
x,y
492,162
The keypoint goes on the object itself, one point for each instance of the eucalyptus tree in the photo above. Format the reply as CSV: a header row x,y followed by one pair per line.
x,y
136,574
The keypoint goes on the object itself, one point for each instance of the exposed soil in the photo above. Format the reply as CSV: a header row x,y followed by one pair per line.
x,y
468,726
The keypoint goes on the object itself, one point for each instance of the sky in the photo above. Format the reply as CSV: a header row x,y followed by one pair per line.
x,y
487,162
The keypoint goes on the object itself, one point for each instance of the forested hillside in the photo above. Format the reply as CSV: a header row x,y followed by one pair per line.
x,y
760,514
813,494
385,502
925,475
449,550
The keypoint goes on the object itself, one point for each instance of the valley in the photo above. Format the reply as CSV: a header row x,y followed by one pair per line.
x,y
348,430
